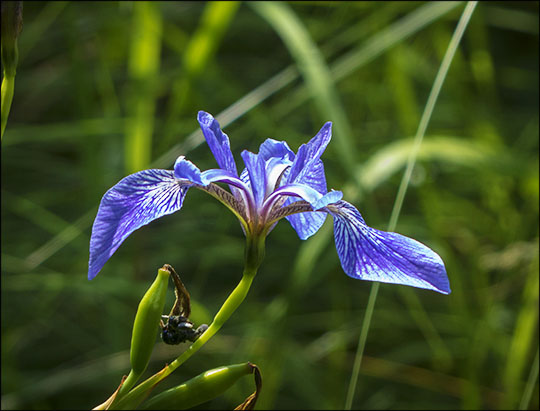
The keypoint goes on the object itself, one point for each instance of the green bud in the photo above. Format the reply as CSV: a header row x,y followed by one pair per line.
x,y
145,326
200,389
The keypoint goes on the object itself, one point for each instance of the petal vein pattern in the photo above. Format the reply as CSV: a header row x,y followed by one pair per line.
x,y
218,142
374,255
135,201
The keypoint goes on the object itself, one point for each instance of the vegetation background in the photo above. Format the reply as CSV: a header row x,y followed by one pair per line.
x,y
104,89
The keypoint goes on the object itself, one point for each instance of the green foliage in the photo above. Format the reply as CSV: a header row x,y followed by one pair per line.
x,y
85,84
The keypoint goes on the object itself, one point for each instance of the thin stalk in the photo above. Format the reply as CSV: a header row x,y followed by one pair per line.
x,y
424,121
529,388
254,255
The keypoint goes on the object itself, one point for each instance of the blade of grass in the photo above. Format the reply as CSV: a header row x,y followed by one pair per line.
x,y
424,121
314,70
527,393
34,212
143,68
522,340
392,35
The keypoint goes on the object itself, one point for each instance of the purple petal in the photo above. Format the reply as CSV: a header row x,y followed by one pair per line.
x,y
186,170
307,167
135,201
257,175
370,254
307,224
217,141
313,197
273,148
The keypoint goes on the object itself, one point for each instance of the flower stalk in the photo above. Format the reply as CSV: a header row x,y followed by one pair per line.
x,y
254,254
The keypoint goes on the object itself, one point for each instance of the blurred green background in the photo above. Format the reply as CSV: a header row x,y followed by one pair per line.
x,y
104,89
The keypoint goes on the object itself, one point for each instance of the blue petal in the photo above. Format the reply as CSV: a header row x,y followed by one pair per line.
x,y
307,167
257,175
217,141
273,148
186,170
244,176
370,254
313,197
135,201
307,224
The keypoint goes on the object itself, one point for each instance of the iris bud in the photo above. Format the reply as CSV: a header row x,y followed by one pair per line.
x,y
145,326
201,388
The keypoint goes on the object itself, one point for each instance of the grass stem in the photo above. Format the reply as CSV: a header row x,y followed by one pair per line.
x,y
424,121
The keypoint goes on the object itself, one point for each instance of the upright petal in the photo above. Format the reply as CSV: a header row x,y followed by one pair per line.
x,y
217,141
307,224
370,254
307,167
257,175
135,201
273,148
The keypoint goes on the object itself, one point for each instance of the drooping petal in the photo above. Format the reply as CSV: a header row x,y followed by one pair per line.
x,y
370,254
218,142
307,224
135,201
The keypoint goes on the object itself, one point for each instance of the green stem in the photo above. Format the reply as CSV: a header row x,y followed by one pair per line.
x,y
129,382
229,306
8,85
361,344
254,255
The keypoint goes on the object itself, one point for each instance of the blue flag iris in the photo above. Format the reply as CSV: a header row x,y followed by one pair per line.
x,y
275,183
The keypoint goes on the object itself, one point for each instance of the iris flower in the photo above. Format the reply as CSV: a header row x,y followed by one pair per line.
x,y
276,183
